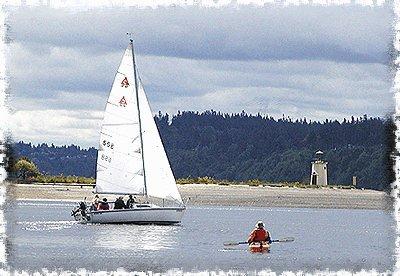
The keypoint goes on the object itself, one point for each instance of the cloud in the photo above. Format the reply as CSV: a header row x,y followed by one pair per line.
x,y
306,61
294,103
60,69
345,34
313,89
80,81
60,127
61,100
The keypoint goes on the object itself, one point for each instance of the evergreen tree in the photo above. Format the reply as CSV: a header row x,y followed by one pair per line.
x,y
244,146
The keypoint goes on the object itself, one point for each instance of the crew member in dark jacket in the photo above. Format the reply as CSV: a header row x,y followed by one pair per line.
x,y
119,203
130,202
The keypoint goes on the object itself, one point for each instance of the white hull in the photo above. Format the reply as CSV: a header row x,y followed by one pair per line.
x,y
139,215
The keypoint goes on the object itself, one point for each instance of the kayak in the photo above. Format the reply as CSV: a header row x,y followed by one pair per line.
x,y
259,247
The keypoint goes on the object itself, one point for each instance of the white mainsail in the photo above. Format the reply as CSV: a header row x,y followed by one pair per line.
x,y
120,157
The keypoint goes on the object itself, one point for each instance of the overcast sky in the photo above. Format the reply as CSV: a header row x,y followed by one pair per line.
x,y
306,61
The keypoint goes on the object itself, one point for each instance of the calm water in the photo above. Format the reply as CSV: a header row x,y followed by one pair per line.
x,y
43,235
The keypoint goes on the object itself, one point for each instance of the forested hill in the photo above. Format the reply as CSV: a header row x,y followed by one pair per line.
x,y
242,147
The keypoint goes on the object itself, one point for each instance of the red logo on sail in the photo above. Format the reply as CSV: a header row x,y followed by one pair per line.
x,y
123,102
125,82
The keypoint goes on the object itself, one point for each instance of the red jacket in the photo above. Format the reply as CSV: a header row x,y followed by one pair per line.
x,y
259,235
103,206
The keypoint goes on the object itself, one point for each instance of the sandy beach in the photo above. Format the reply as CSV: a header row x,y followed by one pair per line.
x,y
234,195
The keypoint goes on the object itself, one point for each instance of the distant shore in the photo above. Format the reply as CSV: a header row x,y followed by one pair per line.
x,y
234,195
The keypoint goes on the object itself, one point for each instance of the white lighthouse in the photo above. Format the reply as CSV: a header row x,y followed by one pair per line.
x,y
319,170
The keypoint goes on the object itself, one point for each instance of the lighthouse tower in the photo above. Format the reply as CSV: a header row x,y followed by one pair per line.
x,y
319,170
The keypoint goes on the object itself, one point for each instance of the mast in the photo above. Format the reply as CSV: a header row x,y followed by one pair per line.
x,y
140,122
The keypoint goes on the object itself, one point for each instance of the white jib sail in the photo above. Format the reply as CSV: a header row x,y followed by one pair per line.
x,y
160,181
119,159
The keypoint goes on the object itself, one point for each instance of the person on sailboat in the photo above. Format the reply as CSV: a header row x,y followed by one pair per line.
x,y
259,234
95,203
130,202
103,205
81,208
119,203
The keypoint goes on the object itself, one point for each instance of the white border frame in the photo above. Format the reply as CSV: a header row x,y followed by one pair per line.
x,y
84,5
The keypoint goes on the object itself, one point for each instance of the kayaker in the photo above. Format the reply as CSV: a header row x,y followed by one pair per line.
x,y
259,234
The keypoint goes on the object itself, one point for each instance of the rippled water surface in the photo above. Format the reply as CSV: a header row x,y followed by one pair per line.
x,y
44,235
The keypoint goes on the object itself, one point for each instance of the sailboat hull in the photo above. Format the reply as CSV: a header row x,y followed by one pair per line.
x,y
141,215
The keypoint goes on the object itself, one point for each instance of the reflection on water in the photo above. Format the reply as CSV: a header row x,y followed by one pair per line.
x,y
43,234
50,204
135,237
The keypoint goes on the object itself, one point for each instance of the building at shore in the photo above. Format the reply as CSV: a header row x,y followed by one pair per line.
x,y
319,170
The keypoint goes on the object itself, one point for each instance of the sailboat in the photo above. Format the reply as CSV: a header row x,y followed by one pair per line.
x,y
131,158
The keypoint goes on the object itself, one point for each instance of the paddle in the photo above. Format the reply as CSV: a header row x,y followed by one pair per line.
x,y
288,239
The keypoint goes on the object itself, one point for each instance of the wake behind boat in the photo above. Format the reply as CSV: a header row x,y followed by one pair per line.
x,y
131,159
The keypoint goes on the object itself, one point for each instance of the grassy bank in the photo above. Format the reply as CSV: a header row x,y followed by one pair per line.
x,y
255,183
220,195
49,179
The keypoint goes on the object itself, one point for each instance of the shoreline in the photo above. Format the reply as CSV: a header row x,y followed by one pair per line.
x,y
219,195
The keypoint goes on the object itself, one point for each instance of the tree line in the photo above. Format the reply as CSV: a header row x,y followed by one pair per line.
x,y
243,146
